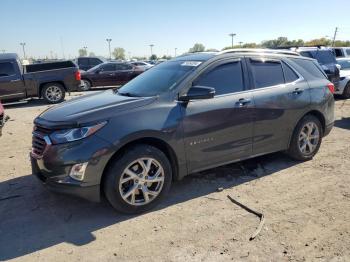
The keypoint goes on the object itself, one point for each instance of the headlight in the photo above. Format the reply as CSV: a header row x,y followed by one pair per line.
x,y
69,135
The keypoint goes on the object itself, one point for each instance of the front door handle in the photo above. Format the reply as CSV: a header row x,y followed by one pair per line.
x,y
297,91
243,102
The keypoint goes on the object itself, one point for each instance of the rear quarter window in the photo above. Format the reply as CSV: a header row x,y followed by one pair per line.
x,y
310,67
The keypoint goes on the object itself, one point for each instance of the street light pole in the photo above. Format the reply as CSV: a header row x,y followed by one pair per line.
x,y
85,48
24,52
240,44
232,35
109,47
175,51
151,46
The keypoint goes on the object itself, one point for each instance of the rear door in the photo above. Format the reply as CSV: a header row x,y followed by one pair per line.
x,y
219,130
281,96
11,82
107,75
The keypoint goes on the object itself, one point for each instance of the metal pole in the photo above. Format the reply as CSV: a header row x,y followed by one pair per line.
x,y
24,52
175,51
335,35
151,49
232,35
109,47
85,47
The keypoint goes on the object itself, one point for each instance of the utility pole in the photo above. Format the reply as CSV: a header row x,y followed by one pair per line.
x,y
175,51
151,46
232,35
240,44
109,47
335,35
24,52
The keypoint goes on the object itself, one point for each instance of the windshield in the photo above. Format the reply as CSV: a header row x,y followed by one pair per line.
x,y
159,79
94,68
345,64
322,56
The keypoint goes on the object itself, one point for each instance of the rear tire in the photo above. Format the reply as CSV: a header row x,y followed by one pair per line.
x,y
306,139
128,183
53,93
86,85
346,92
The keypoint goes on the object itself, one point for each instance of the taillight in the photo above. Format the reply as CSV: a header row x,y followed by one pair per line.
x,y
331,87
77,76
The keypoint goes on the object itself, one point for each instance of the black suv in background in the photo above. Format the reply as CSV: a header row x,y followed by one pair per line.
x,y
85,63
191,113
326,58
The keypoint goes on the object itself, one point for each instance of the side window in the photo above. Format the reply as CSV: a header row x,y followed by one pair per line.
x,y
226,78
7,69
338,52
310,67
83,61
94,61
348,51
108,67
266,73
289,74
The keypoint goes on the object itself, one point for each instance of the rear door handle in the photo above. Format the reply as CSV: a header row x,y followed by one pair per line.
x,y
243,102
297,91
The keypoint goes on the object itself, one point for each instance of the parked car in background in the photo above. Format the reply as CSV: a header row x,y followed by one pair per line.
x,y
50,81
86,63
344,84
109,74
341,51
2,118
142,65
191,113
326,58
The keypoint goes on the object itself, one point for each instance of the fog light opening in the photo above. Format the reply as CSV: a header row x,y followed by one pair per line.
x,y
78,171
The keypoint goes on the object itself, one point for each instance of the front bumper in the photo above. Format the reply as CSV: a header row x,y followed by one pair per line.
x,y
54,166
328,129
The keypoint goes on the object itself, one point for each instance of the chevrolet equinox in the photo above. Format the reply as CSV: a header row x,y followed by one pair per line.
x,y
192,113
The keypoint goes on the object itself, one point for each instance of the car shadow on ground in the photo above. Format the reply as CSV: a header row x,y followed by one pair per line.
x,y
343,123
32,218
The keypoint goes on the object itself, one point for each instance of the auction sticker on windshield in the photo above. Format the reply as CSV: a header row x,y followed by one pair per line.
x,y
191,63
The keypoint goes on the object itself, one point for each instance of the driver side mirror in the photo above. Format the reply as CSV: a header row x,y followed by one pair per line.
x,y
198,92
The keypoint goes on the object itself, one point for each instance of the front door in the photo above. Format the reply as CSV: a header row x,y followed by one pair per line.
x,y
11,83
219,130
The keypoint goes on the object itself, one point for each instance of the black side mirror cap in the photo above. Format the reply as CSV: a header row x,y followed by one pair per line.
x,y
198,92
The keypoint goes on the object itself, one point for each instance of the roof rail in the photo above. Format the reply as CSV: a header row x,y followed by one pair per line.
x,y
259,50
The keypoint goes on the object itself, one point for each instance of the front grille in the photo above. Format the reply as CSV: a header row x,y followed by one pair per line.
x,y
40,140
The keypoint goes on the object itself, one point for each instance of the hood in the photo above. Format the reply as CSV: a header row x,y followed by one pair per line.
x,y
89,109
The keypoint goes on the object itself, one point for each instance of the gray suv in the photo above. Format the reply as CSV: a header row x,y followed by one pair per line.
x,y
192,113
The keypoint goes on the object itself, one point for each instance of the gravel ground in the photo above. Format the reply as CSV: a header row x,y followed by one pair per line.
x,y
306,207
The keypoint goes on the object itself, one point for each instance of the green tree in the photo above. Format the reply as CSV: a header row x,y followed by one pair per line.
x,y
153,57
92,54
82,52
197,48
119,53
211,50
320,41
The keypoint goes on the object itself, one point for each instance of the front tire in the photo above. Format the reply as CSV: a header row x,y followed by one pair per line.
x,y
138,180
306,139
346,92
53,93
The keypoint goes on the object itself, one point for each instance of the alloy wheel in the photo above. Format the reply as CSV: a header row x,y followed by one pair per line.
x,y
141,181
308,138
53,93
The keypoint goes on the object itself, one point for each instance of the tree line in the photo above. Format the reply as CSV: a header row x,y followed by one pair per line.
x,y
119,52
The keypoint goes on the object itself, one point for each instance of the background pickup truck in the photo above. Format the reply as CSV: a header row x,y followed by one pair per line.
x,y
49,80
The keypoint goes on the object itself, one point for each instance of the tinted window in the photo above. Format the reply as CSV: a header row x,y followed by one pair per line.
x,y
338,52
123,67
268,73
289,74
108,67
348,52
226,78
94,61
310,67
322,56
83,61
6,69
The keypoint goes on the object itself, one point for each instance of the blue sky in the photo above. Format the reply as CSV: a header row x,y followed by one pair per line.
x,y
167,24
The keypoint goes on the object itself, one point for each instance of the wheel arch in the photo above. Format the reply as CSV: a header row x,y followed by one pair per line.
x,y
42,85
152,141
